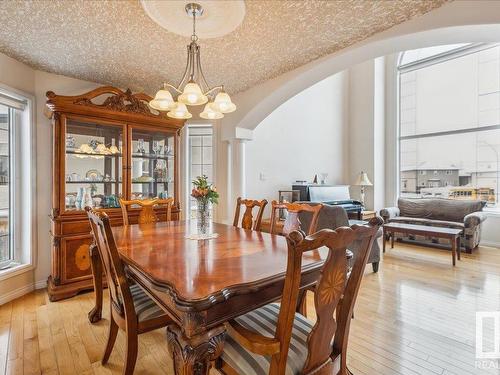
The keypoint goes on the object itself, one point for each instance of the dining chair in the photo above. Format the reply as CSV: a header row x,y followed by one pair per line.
x,y
292,221
147,214
298,346
131,309
247,221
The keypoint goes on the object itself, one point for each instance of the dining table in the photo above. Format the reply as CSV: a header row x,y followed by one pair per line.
x,y
202,284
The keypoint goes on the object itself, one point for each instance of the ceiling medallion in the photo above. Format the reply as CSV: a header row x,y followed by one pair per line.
x,y
193,88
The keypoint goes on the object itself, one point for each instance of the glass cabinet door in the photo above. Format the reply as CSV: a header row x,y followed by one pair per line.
x,y
93,165
152,164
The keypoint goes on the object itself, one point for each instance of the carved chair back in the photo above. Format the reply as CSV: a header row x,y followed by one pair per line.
x,y
335,293
292,221
147,214
121,298
247,222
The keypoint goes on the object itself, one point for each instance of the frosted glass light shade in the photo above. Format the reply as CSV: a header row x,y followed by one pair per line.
x,y
192,95
180,111
210,114
163,101
223,103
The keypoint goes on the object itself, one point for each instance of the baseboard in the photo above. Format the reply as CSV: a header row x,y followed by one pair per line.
x,y
22,291
16,293
490,244
42,284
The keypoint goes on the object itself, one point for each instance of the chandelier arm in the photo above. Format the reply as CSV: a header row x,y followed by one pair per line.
x,y
220,87
201,75
185,71
173,87
193,60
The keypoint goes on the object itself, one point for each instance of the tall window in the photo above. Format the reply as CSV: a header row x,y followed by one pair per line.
x,y
449,122
16,174
200,157
6,251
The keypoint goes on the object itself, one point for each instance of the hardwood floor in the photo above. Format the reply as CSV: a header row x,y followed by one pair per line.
x,y
416,316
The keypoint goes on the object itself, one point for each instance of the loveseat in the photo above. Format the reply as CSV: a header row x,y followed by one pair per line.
x,y
439,212
333,217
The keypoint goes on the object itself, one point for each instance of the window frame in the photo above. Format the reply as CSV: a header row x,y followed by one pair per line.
x,y
188,178
423,63
23,177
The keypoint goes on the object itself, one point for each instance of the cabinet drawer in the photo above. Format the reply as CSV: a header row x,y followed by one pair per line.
x,y
75,258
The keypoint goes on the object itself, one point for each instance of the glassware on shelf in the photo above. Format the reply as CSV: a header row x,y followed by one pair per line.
x,y
140,146
156,147
93,168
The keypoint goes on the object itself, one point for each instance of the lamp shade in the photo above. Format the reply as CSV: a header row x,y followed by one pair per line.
x,y
210,114
180,111
163,101
223,103
192,95
363,180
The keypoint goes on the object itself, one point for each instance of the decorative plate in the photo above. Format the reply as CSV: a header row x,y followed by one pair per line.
x,y
93,175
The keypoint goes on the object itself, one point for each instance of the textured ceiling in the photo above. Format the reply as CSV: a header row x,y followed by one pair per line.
x,y
115,42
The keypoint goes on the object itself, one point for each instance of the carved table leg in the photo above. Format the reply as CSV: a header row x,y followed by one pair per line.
x,y
192,356
95,260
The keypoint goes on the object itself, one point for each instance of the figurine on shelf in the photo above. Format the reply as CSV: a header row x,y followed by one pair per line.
x,y
79,198
93,189
87,201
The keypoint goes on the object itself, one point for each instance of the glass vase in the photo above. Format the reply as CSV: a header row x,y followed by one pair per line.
x,y
203,217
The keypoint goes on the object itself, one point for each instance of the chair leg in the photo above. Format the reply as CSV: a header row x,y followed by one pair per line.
x,y
113,330
131,355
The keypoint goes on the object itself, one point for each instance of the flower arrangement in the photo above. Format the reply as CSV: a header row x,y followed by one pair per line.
x,y
203,191
205,194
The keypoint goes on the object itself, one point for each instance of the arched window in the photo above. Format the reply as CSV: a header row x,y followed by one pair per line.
x,y
449,121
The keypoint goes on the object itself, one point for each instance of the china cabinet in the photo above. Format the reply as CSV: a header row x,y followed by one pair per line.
x,y
107,144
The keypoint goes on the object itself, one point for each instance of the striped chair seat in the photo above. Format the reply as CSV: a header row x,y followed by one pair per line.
x,y
263,321
145,307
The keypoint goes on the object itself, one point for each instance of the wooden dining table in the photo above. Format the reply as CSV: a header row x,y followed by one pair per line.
x,y
202,284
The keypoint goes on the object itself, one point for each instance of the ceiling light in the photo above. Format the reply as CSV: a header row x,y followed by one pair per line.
x,y
163,101
223,103
210,114
193,88
180,111
192,95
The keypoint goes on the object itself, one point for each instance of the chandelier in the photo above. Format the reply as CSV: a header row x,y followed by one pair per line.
x,y
193,88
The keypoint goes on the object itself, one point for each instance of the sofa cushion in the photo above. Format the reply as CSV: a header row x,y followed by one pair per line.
x,y
438,209
434,223
446,224
409,220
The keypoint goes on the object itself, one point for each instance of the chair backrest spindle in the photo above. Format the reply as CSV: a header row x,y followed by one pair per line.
x,y
247,221
147,214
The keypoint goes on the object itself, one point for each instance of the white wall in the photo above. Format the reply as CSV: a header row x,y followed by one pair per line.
x,y
21,77
367,130
306,135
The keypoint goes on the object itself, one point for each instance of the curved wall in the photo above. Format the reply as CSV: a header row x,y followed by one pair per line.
x,y
459,21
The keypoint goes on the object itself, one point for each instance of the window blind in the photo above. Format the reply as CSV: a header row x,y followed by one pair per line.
x,y
12,102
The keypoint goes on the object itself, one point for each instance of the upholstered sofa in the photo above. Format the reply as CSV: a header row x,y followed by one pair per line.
x,y
332,217
439,212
